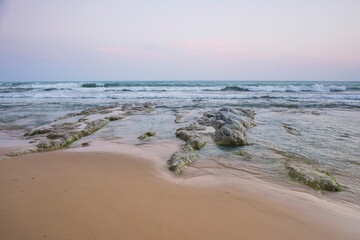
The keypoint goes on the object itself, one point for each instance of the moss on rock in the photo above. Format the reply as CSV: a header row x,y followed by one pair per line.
x,y
307,174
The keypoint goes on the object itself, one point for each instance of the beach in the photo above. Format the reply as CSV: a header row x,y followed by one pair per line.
x,y
179,160
97,195
207,120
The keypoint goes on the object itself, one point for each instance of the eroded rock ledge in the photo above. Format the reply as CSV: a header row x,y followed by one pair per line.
x,y
181,159
65,130
226,126
309,175
230,126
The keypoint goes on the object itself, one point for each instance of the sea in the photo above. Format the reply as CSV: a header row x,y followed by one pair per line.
x,y
313,121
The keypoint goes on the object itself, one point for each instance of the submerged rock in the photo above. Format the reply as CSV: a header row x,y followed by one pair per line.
x,y
179,117
243,153
134,108
115,117
181,159
91,111
291,130
230,125
146,135
306,174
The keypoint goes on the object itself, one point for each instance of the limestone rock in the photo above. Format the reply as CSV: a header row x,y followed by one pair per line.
x,y
230,125
41,130
192,138
243,153
95,125
63,136
115,117
306,174
73,126
146,135
207,118
181,159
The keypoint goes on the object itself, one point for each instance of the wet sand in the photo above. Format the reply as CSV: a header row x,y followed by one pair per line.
x,y
94,195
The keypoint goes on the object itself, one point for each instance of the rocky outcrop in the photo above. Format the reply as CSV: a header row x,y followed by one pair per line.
x,y
40,130
91,111
61,137
134,108
207,118
146,135
181,159
114,111
193,139
192,135
230,125
115,117
74,126
307,174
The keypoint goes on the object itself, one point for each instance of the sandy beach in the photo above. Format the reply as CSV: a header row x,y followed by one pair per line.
x,y
97,195
179,120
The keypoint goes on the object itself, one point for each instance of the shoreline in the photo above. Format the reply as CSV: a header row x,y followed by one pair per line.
x,y
69,194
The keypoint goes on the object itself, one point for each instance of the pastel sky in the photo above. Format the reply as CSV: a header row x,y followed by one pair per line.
x,y
88,40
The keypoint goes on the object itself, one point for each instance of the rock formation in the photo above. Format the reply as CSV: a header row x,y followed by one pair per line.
x,y
230,125
307,174
181,159
146,135
74,126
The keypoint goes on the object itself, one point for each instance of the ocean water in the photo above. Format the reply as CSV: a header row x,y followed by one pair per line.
x,y
325,116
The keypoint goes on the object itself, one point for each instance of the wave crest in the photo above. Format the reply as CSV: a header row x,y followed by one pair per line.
x,y
287,88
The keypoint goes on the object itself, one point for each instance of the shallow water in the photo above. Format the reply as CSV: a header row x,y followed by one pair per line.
x,y
317,122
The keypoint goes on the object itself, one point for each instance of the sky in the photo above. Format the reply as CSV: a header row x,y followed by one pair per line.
x,y
88,40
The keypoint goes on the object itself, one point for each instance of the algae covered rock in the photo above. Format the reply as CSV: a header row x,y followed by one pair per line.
x,y
192,138
115,117
307,174
192,134
207,118
64,134
243,153
146,135
96,125
181,159
73,126
41,130
230,125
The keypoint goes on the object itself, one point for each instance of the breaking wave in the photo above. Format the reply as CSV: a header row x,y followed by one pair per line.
x,y
286,88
